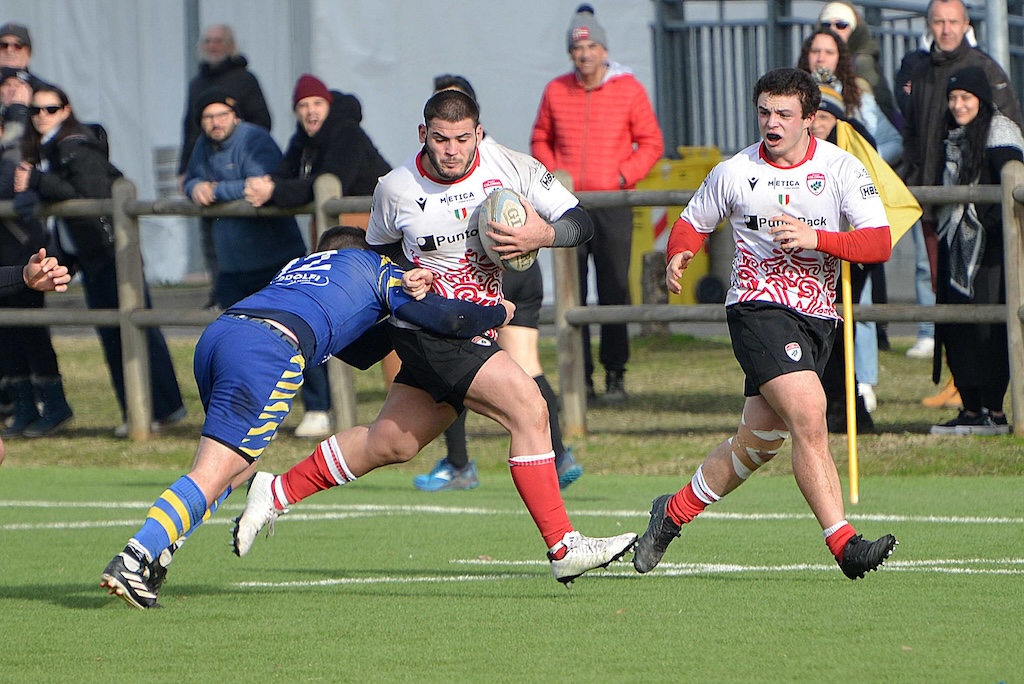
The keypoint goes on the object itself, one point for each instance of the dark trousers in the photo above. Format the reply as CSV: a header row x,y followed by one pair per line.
x,y
101,293
610,249
26,352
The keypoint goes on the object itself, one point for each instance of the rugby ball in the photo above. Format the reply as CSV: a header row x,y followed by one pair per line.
x,y
505,207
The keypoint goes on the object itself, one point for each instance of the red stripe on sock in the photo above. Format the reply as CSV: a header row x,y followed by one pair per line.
x,y
837,540
307,477
685,506
537,484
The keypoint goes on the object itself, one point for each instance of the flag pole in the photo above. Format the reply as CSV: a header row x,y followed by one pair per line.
x,y
850,381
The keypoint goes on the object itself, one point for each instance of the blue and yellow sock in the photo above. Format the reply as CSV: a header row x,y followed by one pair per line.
x,y
179,510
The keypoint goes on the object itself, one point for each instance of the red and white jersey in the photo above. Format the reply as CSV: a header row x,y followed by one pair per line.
x,y
437,222
829,190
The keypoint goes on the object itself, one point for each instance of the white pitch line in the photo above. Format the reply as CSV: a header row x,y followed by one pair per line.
x,y
942,566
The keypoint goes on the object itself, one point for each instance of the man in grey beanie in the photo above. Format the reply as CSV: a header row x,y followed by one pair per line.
x,y
596,123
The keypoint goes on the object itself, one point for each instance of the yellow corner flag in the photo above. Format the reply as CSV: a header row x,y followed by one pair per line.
x,y
903,211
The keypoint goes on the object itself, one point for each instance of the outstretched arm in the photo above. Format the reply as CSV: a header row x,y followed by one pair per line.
x,y
454,317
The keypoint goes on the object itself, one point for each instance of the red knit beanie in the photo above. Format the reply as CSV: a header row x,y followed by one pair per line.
x,y
309,85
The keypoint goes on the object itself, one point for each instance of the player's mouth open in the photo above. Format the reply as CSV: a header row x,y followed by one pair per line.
x,y
772,137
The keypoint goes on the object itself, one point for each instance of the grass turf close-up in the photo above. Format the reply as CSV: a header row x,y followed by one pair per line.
x,y
378,582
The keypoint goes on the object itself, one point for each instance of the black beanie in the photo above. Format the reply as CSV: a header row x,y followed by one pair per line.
x,y
973,80
211,96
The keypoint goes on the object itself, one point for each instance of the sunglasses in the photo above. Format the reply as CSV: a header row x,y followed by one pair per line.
x,y
5,45
841,25
49,109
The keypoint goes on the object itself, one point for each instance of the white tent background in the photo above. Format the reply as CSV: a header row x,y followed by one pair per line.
x,y
126,64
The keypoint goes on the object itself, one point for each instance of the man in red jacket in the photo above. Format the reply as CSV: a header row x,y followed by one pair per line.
x,y
597,124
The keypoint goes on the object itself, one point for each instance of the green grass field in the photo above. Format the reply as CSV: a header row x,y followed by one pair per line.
x,y
376,582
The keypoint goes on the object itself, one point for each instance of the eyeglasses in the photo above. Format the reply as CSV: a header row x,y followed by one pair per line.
x,y
17,47
217,116
839,24
49,109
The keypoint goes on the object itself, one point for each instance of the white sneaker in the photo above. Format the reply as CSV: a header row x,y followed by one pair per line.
x,y
587,553
315,424
924,348
258,513
867,393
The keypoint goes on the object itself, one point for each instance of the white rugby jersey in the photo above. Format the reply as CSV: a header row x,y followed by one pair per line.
x,y
829,190
437,221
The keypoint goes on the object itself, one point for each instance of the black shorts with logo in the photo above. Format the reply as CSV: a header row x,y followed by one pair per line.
x,y
770,340
525,289
440,366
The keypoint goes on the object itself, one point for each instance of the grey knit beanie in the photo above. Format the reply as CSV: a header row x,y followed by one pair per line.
x,y
585,27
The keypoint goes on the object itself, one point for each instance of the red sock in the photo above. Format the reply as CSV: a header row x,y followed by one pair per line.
x,y
837,540
536,481
315,473
685,506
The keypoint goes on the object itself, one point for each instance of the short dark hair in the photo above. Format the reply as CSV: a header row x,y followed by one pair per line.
x,y
454,82
787,81
451,106
342,237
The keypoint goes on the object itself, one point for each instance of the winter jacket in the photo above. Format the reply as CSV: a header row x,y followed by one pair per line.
x,y
340,147
233,78
244,244
924,131
591,133
79,169
19,238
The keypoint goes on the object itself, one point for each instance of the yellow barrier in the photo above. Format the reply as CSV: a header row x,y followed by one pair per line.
x,y
652,223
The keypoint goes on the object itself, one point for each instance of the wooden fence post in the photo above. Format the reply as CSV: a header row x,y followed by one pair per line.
x,y
1013,266
571,377
131,296
340,375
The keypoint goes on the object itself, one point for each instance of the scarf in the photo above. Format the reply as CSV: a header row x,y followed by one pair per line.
x,y
958,224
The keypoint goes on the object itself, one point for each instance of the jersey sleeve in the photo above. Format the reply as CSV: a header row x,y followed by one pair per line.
x,y
450,317
382,228
860,203
711,203
548,196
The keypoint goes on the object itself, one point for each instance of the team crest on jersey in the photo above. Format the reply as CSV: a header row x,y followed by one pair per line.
x,y
491,184
816,182
794,351
481,341
461,214
784,200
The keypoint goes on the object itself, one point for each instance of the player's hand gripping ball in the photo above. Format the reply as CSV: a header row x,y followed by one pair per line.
x,y
504,206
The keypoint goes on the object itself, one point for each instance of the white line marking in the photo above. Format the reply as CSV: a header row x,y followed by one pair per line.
x,y
941,565
311,512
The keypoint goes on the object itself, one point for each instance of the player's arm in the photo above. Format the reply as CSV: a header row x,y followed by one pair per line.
x,y
572,228
683,242
454,317
393,251
862,246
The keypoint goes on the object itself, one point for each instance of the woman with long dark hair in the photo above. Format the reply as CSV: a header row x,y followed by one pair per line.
x,y
64,159
980,140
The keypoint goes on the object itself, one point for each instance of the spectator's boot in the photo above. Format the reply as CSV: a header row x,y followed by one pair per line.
x,y
56,412
20,390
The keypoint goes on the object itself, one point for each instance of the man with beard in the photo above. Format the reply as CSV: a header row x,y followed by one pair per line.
x,y
327,139
250,251
426,212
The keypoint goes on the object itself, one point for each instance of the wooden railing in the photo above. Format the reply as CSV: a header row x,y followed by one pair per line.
x,y
328,203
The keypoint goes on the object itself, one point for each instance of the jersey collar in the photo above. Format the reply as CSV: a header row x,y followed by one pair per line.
x,y
811,146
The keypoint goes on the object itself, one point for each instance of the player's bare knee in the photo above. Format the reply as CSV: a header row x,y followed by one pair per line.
x,y
751,449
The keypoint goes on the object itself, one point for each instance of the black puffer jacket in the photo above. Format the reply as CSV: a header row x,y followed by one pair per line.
x,y
233,77
79,169
340,147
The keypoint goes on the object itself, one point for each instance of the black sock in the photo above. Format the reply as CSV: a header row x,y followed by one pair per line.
x,y
552,401
455,439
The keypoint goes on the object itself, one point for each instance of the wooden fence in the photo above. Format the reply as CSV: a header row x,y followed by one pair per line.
x,y
328,204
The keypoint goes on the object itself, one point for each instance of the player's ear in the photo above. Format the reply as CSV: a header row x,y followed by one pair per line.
x,y
423,133
479,132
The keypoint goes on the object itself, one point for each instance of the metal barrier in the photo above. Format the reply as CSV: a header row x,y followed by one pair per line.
x,y
132,318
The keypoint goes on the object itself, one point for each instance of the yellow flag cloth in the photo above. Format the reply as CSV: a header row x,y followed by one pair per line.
x,y
900,206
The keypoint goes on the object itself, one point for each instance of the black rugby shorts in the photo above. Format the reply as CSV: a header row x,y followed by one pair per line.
x,y
770,340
